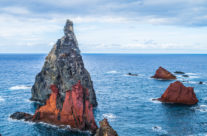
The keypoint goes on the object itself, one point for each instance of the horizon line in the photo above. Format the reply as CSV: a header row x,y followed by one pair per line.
x,y
107,53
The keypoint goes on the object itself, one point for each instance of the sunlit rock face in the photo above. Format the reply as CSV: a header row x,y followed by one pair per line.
x,y
63,67
178,93
162,73
105,129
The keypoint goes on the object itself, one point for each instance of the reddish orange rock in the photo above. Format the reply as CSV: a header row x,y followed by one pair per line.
x,y
76,111
162,73
49,112
178,93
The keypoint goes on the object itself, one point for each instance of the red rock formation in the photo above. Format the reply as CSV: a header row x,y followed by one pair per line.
x,y
178,93
162,73
49,112
105,129
76,111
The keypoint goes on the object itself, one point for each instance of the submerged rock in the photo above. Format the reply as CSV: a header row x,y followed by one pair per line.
x,y
179,72
63,67
178,93
105,129
162,73
130,74
77,111
185,75
200,82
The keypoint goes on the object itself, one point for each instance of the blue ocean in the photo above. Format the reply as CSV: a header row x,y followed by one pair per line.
x,y
126,101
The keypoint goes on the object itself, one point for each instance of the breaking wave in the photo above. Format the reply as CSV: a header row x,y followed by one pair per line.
x,y
112,72
1,99
201,108
109,116
20,87
159,129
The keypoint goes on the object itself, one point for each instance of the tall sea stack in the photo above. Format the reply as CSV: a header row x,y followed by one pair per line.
x,y
63,67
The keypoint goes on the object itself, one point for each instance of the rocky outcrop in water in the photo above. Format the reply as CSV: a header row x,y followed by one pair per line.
x,y
77,111
162,73
178,93
131,74
105,129
65,87
63,67
179,72
200,82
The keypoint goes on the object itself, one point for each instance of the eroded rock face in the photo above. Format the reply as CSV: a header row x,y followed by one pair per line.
x,y
63,67
105,129
178,93
77,111
162,73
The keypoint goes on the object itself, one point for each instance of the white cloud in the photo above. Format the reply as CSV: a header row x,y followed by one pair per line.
x,y
15,10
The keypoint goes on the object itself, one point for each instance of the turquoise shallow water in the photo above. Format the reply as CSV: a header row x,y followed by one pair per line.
x,y
124,100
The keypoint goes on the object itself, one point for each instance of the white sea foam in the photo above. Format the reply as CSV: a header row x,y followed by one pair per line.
x,y
112,72
201,108
154,101
159,129
191,74
1,99
109,116
20,87
27,100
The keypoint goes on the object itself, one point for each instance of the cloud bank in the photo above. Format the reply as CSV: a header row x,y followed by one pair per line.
x,y
105,26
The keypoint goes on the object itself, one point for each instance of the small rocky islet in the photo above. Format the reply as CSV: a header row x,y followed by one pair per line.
x,y
65,89
163,74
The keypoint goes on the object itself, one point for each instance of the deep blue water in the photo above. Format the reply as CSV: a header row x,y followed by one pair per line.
x,y
124,100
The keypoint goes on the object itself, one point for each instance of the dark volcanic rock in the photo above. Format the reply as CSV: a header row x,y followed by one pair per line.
x,y
21,116
63,67
178,93
162,73
200,82
105,129
179,72
130,74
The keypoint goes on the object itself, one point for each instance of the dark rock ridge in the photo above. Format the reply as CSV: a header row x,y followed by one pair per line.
x,y
162,73
130,74
105,129
178,93
63,67
77,111
179,72
185,75
200,82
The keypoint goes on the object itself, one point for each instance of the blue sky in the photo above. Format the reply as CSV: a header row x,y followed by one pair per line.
x,y
105,26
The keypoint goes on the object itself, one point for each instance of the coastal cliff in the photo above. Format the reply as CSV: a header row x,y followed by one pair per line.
x,y
63,67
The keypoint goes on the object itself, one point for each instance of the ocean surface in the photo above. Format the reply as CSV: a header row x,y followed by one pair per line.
x,y
124,100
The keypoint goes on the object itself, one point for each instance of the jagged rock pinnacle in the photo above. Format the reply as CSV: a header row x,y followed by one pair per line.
x,y
68,29
63,67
